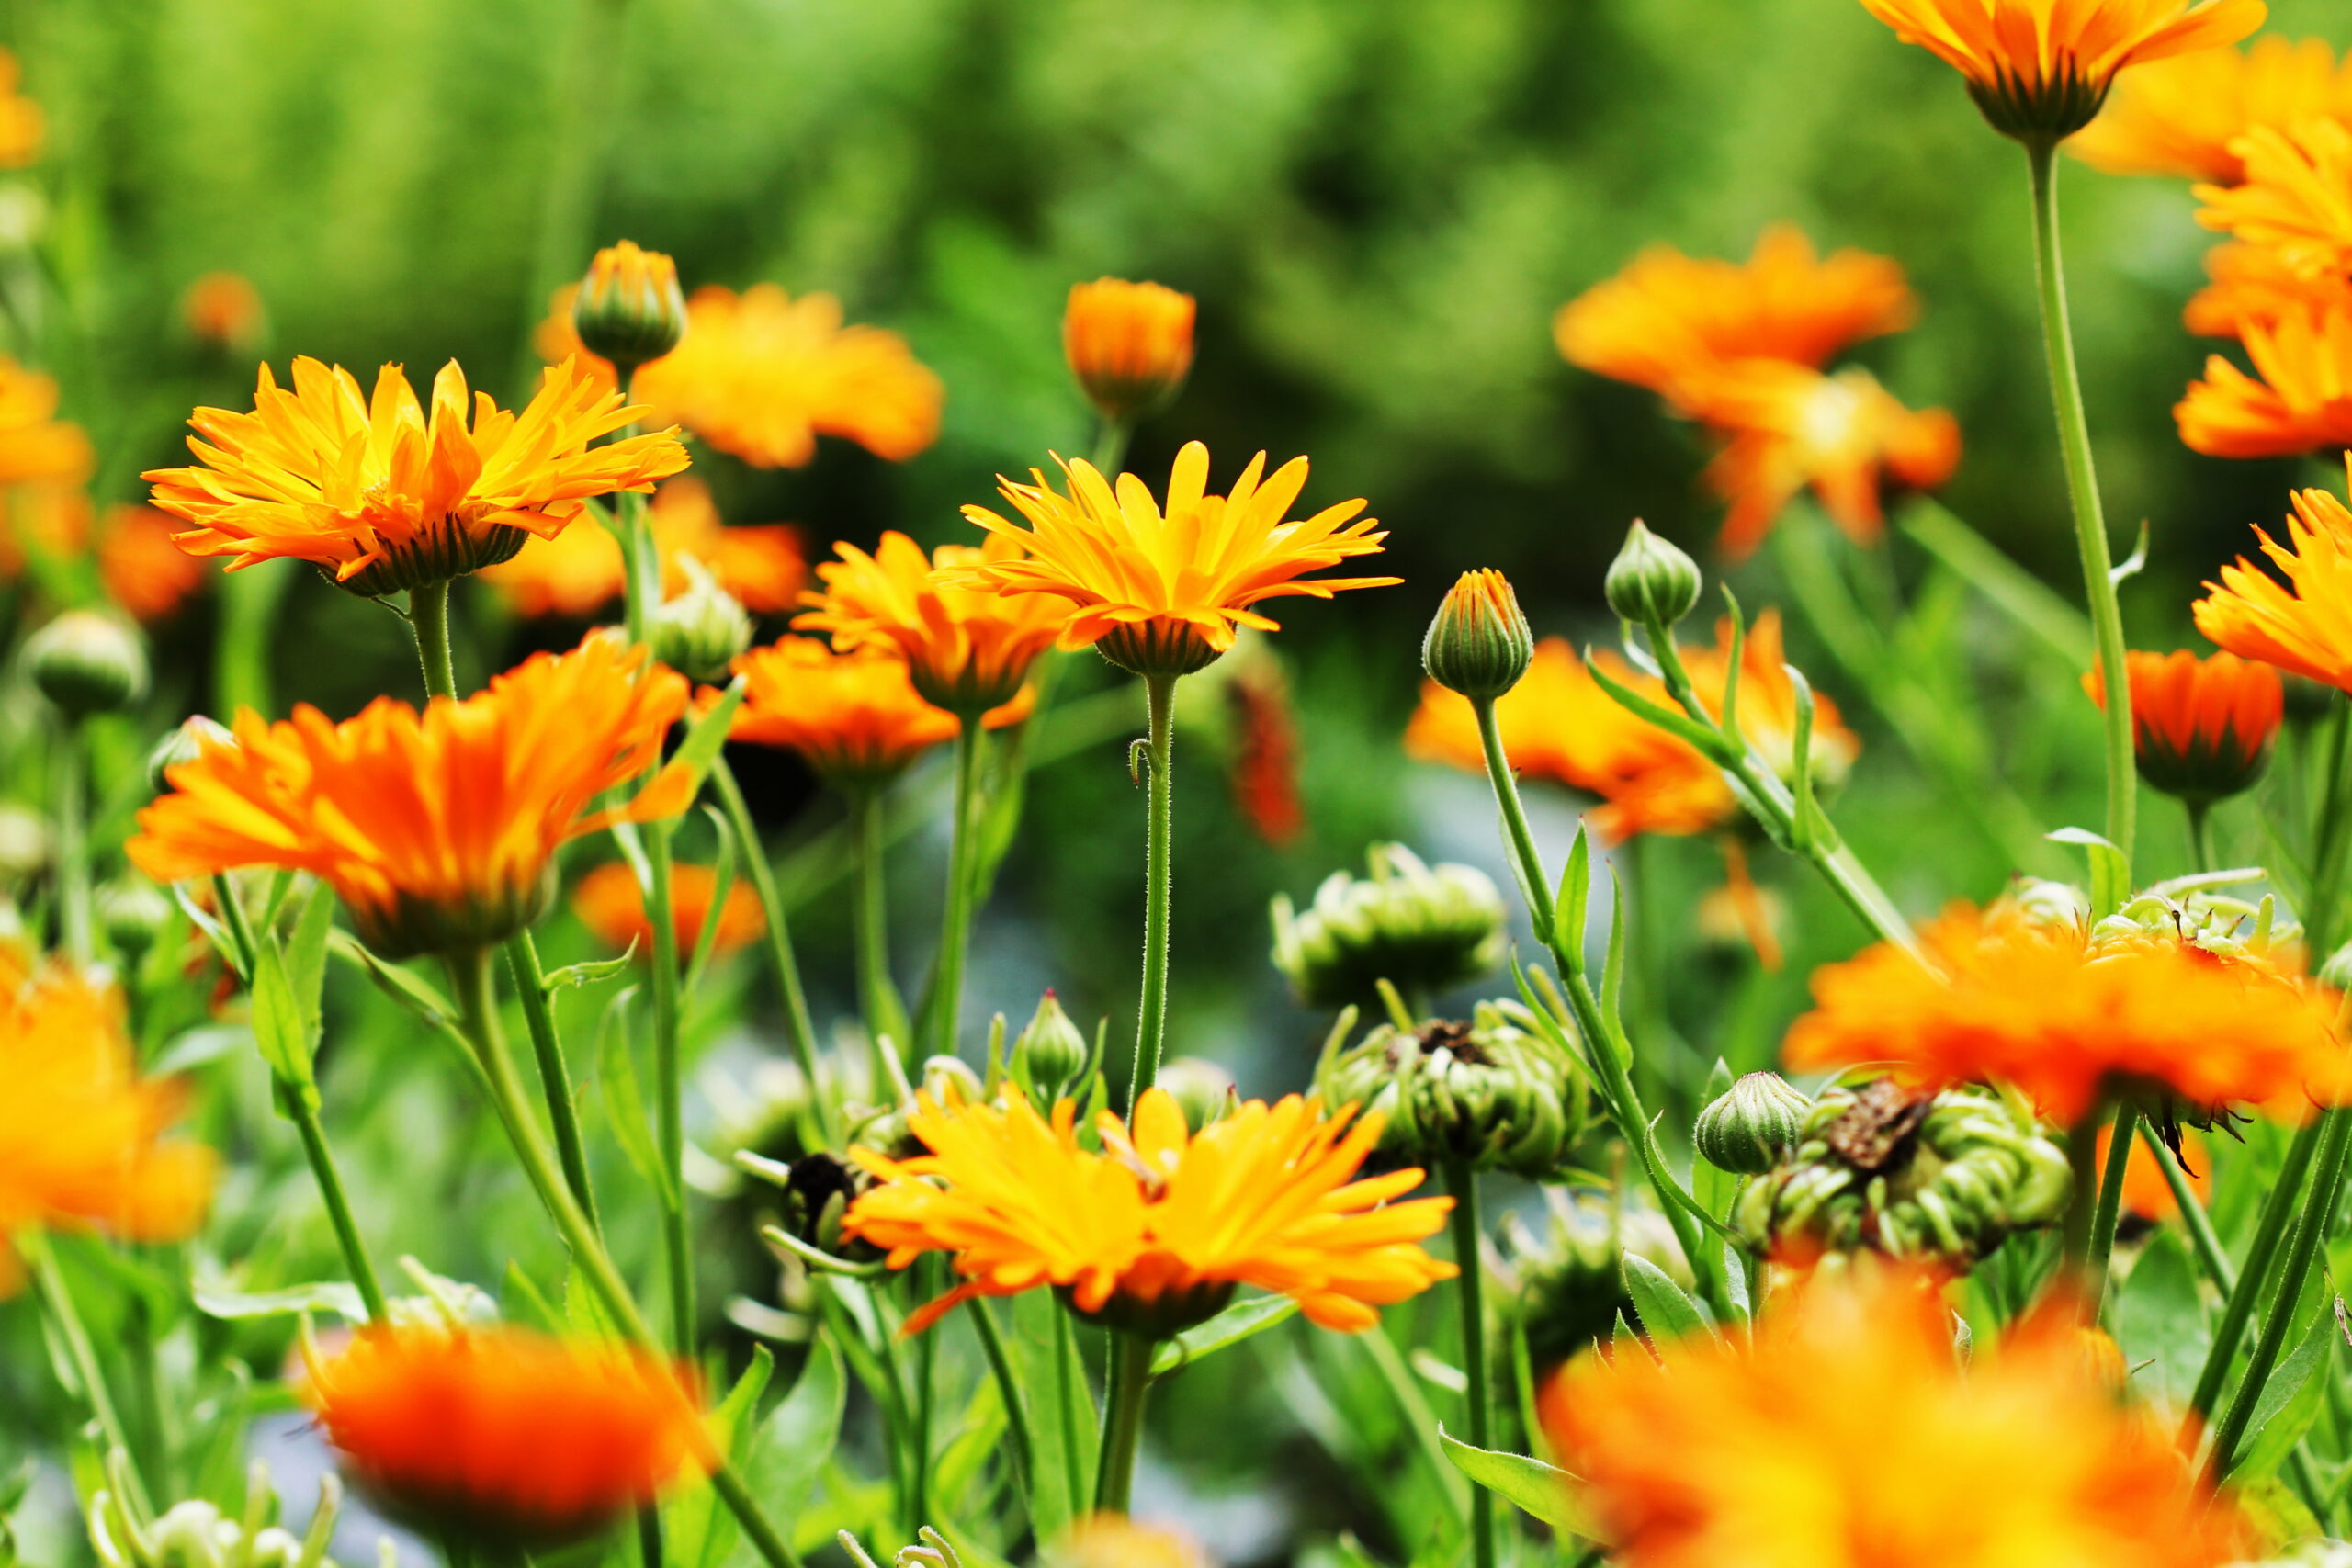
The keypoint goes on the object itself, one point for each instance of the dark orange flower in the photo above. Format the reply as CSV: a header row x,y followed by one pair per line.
x,y
143,569
2252,286
2067,1018
2201,727
438,829
2303,626
579,572
1667,315
610,903
2296,197
761,375
856,717
2299,399
2146,1191
1265,756
223,310
1843,1432
502,1436
1130,344
2181,116
969,649
22,125
383,498
47,521
81,1134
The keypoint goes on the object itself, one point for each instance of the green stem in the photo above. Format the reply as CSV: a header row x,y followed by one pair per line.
x,y
2329,837
1023,1450
1526,864
1123,1401
886,1015
299,1102
57,1300
2311,1231
2193,1217
2082,494
1111,447
1419,1420
640,566
249,601
956,927
1070,1395
669,1095
2110,1208
428,618
1462,1180
2278,1210
2200,836
800,1028
1151,1017
2082,1197
555,1077
70,807
928,1284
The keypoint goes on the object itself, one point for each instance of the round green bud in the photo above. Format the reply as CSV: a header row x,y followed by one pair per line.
x,y
1652,581
193,1535
183,743
1203,1091
699,633
134,912
1751,1126
1479,643
2337,971
946,1078
1423,928
629,308
24,843
1049,1056
1488,1092
87,663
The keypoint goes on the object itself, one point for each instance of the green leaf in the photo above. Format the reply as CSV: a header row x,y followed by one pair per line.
x,y
1231,1327
401,984
624,1101
592,971
277,1023
1667,1314
2289,1402
2160,1320
800,1432
1529,1483
234,1305
1575,899
193,1048
707,733
306,958
2110,868
700,1533
1712,743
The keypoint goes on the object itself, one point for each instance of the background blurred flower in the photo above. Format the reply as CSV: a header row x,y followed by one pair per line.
x,y
34,445
2296,197
2251,285
610,903
579,572
143,569
224,310
2299,399
856,717
22,124
2181,116
1130,344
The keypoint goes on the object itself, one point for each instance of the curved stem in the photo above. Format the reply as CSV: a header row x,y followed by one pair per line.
x,y
555,1077
1462,1182
69,806
299,1102
428,618
1123,1402
956,929
886,1015
1151,1016
57,1300
2082,494
669,1095
2278,1211
1526,864
800,1028
1023,1449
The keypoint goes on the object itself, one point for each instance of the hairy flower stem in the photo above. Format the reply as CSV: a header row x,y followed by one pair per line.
x,y
2329,835
1462,1182
800,1028
886,1015
2200,836
1123,1401
2278,1211
668,1092
1111,447
2110,1209
70,807
555,1077
1151,1014
2082,494
956,929
470,978
428,619
1023,1450
2082,1193
65,1318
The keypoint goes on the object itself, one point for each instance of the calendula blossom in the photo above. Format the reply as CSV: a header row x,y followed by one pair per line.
x,y
2201,727
2295,198
436,830
145,571
380,495
1130,344
2304,624
1154,1232
580,571
36,446
2182,116
222,311
610,903
857,718
2299,399
1162,590
967,649
2251,286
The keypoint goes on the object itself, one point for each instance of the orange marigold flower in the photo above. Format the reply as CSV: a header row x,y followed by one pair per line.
x,y
41,521
1265,754
1152,1234
1846,1433
1785,426
1130,344
36,446
81,1134
2201,727
438,829
501,1435
2299,399
2252,286
761,375
2041,68
1114,1541
381,497
580,571
856,717
2296,197
1162,592
2146,1191
22,125
2181,116
968,647
223,310
1667,314
2067,1018
2303,626
145,571
610,903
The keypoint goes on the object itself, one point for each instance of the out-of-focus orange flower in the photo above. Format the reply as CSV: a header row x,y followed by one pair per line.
x,y
2252,286
2146,1191
81,1134
1785,426
1844,1432
2304,624
2299,399
968,647
438,829
1153,1233
2041,68
1163,592
501,1435
761,375
1265,754
223,310
22,125
856,717
2181,116
1114,1541
2296,197
579,572
143,569
609,903
36,446
41,520
2065,1019
1130,344
1667,315
2201,727
374,492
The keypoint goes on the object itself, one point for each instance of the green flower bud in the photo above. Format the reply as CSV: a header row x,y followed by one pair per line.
x,y
1749,1128
629,308
1203,1090
24,843
1565,1288
2337,971
1488,1091
183,743
1424,929
1480,644
1652,581
1049,1056
950,1077
86,662
2047,903
134,912
699,633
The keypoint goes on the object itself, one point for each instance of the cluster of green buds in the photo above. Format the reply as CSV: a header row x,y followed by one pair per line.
x,y
1489,1094
1566,1288
1881,1167
195,1534
88,663
2198,911
1423,928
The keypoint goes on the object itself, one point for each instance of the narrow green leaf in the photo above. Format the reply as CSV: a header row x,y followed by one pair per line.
x,y
800,1432
1235,1324
234,1305
699,1533
278,1021
2110,868
1530,1485
1669,1314
2289,1402
1574,902
707,733
588,973
1711,743
624,1101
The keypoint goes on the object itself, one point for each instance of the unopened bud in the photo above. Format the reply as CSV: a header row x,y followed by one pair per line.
x,y
1652,581
1203,1090
24,843
1050,1054
134,912
949,1079
1479,643
1130,344
2336,973
1423,928
183,743
629,308
1752,1125
87,663
701,631
1486,1092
